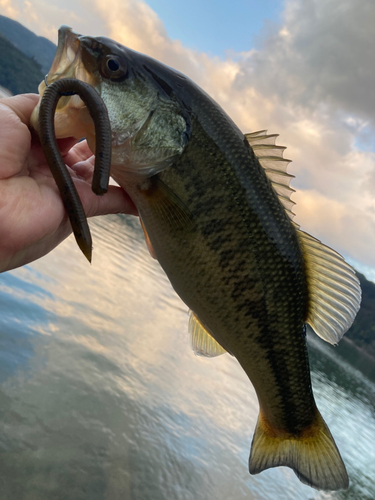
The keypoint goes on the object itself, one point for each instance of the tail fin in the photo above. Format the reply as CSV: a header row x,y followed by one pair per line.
x,y
313,456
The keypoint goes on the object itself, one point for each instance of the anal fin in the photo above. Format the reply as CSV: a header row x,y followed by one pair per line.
x,y
203,343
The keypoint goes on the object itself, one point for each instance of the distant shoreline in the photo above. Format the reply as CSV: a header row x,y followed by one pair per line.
x,y
361,350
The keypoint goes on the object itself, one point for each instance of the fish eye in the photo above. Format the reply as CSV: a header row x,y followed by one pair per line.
x,y
113,65
113,68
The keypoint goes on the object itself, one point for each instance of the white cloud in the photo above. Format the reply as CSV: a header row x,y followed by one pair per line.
x,y
44,17
134,24
8,9
323,53
345,227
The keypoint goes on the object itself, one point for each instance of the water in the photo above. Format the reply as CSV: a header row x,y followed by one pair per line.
x,y
101,397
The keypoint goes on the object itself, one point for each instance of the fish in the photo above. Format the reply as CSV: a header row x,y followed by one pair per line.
x,y
215,206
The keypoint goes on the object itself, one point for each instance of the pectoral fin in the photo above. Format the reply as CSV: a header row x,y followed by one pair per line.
x,y
148,241
167,205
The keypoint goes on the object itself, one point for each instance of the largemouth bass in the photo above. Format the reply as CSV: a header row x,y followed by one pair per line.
x,y
216,211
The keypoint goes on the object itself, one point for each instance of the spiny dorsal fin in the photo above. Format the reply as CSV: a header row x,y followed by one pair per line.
x,y
203,343
334,289
261,137
271,158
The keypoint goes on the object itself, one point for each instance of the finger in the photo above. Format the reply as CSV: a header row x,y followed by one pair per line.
x,y
22,105
20,108
15,137
80,152
115,201
37,158
66,145
84,169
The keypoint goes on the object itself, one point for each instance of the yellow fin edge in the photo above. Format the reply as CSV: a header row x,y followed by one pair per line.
x,y
313,455
202,341
334,289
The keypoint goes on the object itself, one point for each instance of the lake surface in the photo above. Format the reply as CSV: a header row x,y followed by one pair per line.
x,y
102,398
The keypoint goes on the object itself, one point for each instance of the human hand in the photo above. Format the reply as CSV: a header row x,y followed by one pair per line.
x,y
33,220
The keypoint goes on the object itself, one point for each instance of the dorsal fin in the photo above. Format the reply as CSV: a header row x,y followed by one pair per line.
x,y
271,158
334,289
203,343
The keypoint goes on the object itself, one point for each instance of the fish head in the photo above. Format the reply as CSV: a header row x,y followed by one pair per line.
x,y
149,124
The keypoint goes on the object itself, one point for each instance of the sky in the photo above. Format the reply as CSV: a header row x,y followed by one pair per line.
x,y
304,69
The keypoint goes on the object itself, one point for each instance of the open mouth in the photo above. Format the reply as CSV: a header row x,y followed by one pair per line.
x,y
71,118
68,59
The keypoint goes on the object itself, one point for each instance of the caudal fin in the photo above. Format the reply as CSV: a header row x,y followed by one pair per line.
x,y
313,456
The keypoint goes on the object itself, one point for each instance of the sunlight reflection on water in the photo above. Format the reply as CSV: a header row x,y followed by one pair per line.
x,y
101,396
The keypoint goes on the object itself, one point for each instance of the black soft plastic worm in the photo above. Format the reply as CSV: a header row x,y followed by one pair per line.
x,y
99,114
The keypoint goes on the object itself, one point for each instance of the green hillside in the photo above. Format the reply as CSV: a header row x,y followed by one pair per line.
x,y
37,47
362,331
18,72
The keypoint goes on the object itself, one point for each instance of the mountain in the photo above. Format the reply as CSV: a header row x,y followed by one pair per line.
x,y
362,332
36,47
18,72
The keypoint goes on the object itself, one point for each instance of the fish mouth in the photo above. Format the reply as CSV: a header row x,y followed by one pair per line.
x,y
69,58
72,118
66,62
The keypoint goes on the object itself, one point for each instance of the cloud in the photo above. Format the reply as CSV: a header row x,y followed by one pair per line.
x,y
345,227
323,53
314,73
8,9
44,17
134,24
